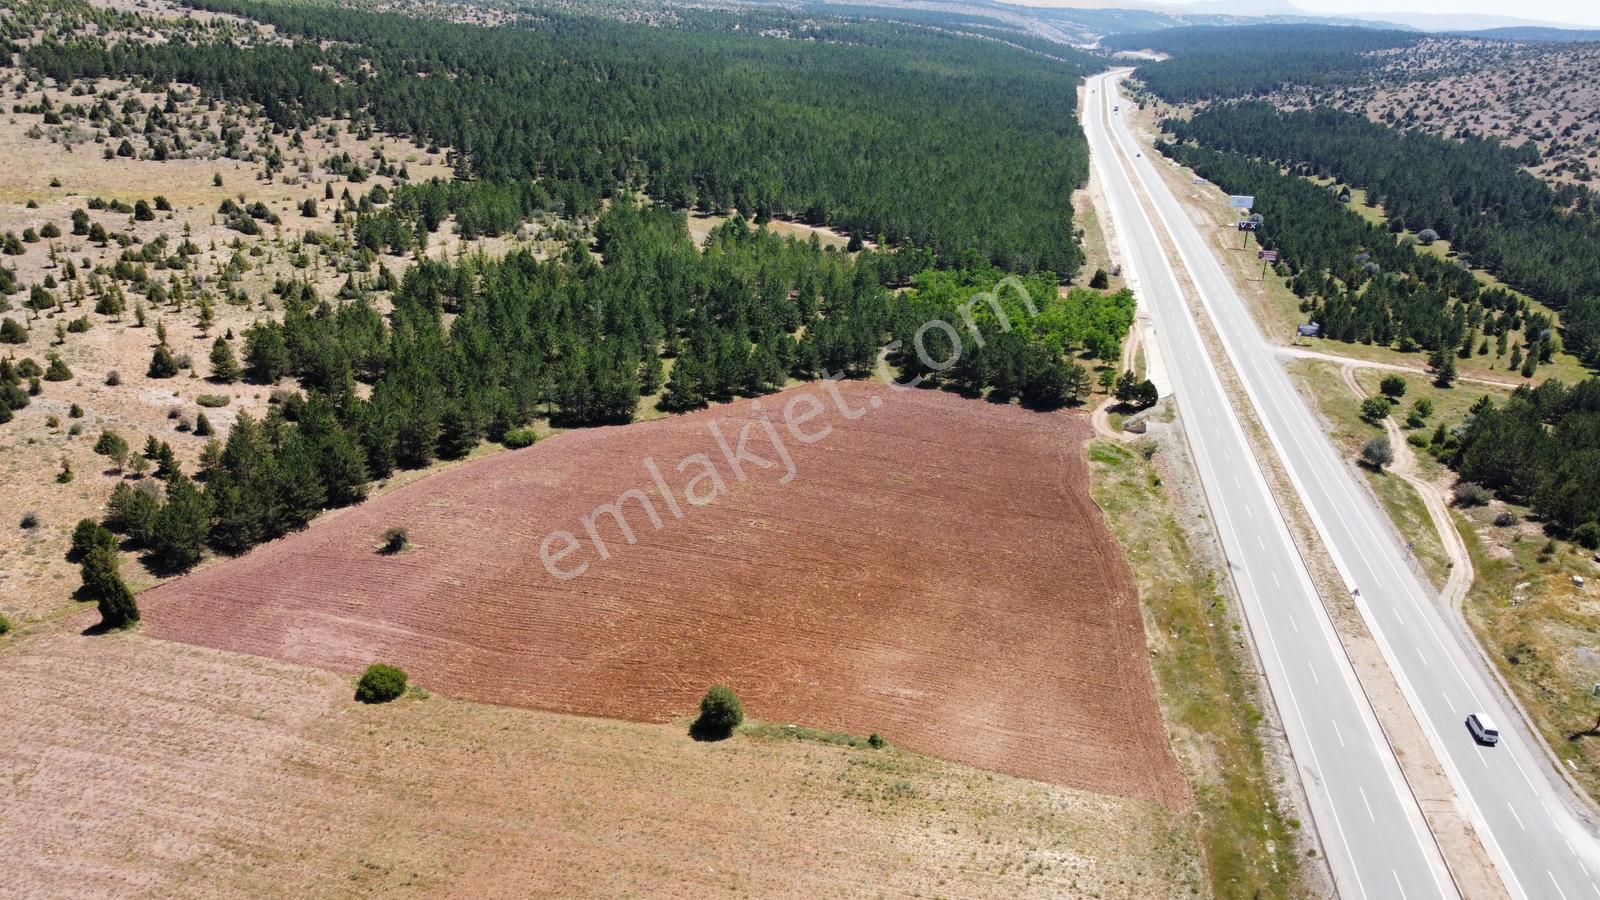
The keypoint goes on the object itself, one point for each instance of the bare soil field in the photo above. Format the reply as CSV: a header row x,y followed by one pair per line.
x,y
142,768
934,572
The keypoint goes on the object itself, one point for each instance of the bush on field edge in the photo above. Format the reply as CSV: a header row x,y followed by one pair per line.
x,y
380,684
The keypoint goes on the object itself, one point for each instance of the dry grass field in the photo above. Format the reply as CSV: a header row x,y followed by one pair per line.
x,y
141,768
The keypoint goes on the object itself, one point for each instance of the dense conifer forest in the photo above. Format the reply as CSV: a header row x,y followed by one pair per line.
x,y
947,159
1538,239
1541,448
884,130
1356,280
1212,63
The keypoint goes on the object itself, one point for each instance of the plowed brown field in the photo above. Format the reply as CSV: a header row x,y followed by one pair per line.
x,y
934,572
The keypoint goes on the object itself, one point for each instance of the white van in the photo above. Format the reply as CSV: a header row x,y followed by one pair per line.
x,y
1483,730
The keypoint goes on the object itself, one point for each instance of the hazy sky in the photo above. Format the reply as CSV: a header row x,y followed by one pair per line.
x,y
1575,12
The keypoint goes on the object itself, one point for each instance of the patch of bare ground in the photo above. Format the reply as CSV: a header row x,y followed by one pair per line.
x,y
138,767
934,571
701,225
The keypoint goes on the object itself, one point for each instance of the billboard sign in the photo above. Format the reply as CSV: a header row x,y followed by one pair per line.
x,y
1268,256
1247,225
1241,201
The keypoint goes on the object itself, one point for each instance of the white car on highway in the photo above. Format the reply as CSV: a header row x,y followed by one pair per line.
x,y
1483,729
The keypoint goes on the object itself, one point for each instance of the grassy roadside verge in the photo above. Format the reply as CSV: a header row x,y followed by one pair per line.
x,y
1207,691
1333,400
1539,629
1534,623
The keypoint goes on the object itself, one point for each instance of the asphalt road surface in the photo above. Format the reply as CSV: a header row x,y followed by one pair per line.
x,y
1368,820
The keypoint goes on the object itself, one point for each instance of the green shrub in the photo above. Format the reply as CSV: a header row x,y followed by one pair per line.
x,y
1468,493
394,541
213,401
1377,453
1588,535
517,438
720,713
111,444
88,535
162,363
1376,409
5,625
876,742
380,684
1393,386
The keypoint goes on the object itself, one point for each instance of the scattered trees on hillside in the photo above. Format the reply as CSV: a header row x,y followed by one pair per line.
x,y
1474,193
700,115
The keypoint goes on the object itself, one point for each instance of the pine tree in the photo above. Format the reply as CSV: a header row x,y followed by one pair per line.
x,y
298,488
178,536
103,584
1445,373
162,363
166,462
224,365
684,391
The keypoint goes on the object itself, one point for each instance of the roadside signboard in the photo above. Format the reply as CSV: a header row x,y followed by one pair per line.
x,y
1248,225
1241,201
1268,255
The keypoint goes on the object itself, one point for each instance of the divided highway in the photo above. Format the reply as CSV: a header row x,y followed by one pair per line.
x,y
1538,844
1372,829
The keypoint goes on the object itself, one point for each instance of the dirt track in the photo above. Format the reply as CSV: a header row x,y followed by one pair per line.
x,y
934,572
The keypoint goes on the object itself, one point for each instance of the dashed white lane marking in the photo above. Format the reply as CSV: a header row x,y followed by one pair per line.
x,y
1515,816
1366,803
1398,885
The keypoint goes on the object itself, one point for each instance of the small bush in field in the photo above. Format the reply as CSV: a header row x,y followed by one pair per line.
x,y
720,713
394,541
517,438
380,684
